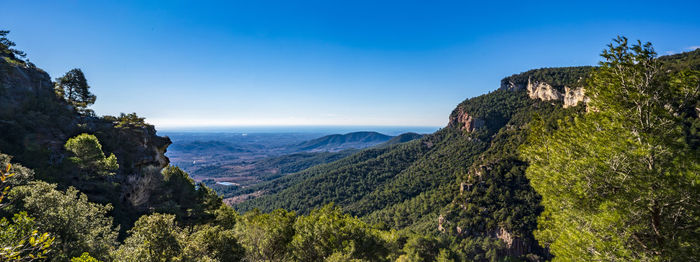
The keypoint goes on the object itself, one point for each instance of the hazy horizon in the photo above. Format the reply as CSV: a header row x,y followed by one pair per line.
x,y
322,130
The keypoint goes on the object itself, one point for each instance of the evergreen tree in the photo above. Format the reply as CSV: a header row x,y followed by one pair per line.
x,y
75,90
327,230
78,225
88,155
266,237
20,239
621,182
153,238
6,49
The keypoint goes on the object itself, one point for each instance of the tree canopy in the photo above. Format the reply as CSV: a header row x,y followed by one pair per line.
x,y
88,155
73,87
621,182
6,49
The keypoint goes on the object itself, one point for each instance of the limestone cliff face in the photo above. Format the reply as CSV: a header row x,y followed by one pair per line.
x,y
465,122
546,92
572,96
542,91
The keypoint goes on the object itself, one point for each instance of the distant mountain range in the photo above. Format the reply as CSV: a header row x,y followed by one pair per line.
x,y
354,140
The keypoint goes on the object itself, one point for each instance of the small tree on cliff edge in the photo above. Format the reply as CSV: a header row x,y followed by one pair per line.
x,y
6,49
73,87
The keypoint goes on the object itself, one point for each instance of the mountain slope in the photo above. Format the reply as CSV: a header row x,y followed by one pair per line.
x,y
465,181
337,142
416,185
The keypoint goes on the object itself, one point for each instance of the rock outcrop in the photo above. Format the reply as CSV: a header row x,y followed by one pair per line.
x,y
542,91
514,246
465,122
571,96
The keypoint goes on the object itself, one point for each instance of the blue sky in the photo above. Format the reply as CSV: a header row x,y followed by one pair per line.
x,y
406,63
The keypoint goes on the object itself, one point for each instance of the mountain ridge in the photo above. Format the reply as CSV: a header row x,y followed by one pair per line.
x,y
338,142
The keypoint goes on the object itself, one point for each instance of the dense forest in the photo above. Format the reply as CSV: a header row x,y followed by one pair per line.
x,y
509,179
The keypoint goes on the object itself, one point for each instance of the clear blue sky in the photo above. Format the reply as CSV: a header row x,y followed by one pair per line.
x,y
211,63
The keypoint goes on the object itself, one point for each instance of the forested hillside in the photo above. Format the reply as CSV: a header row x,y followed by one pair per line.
x,y
466,182
512,177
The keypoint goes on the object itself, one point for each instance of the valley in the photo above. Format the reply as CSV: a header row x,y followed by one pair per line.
x,y
231,162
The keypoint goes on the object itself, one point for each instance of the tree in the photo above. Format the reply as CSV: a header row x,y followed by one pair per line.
x,y
421,248
327,230
189,202
75,90
266,237
88,155
153,238
212,242
20,239
6,49
78,225
621,182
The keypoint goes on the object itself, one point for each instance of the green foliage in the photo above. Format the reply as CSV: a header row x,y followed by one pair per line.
x,y
78,225
214,243
20,239
422,249
226,217
153,238
127,121
14,175
157,237
407,187
616,183
85,257
680,62
180,196
6,50
266,237
88,155
327,230
73,87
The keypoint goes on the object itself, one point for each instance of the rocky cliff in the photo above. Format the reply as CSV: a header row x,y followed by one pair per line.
x,y
461,119
35,124
544,91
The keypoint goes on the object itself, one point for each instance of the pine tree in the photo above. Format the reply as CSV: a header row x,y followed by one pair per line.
x,y
75,90
621,182
6,49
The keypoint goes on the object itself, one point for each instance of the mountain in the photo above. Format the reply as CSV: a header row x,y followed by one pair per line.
x,y
466,180
415,185
337,142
